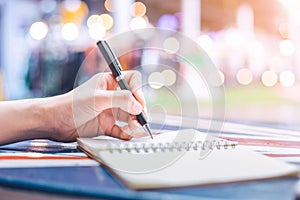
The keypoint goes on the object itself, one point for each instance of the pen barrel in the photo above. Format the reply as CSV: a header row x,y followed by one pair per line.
x,y
110,58
114,67
123,84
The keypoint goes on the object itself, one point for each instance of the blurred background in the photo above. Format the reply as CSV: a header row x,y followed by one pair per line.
x,y
253,43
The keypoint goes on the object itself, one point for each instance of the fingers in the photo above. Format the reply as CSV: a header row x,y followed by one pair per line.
x,y
134,80
117,132
107,82
130,102
122,116
117,99
128,132
133,124
136,129
107,126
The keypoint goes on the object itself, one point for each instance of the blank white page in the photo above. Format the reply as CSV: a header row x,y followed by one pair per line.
x,y
179,167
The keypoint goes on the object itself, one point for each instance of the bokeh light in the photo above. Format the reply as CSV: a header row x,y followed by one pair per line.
x,y
93,19
171,45
156,80
291,5
48,6
69,31
169,77
222,78
216,79
138,23
72,5
269,78
38,30
106,20
244,76
108,5
138,9
287,48
247,55
287,78
168,21
97,31
205,42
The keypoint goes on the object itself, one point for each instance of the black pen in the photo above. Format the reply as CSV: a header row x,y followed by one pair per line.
x,y
116,70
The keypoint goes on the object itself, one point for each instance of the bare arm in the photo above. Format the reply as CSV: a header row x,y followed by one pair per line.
x,y
24,119
89,110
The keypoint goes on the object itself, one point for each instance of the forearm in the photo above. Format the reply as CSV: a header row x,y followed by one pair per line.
x,y
26,119
87,111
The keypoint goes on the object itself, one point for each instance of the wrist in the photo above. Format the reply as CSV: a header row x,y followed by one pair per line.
x,y
60,116
39,118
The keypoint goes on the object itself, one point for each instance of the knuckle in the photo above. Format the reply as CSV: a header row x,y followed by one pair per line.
x,y
137,74
126,96
134,74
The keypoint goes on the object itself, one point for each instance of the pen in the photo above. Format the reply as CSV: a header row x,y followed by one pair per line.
x,y
116,70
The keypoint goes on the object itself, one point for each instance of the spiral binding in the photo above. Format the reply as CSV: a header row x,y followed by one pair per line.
x,y
168,146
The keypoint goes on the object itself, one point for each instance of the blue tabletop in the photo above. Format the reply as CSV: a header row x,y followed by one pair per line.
x,y
96,181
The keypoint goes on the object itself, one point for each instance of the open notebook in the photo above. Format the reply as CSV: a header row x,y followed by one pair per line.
x,y
182,158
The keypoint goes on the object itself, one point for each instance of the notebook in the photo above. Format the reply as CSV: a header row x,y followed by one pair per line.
x,y
182,158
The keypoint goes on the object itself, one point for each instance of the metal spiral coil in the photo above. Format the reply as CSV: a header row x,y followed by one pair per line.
x,y
168,146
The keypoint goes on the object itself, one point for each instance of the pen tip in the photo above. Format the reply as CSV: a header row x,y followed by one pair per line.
x,y
147,130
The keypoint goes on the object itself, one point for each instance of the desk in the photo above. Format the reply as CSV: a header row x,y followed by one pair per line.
x,y
78,176
16,193
85,182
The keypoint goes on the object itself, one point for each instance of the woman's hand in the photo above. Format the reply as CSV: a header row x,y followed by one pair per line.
x,y
89,110
94,107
